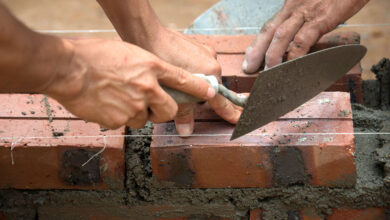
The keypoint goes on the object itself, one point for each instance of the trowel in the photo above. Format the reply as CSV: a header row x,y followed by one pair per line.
x,y
282,88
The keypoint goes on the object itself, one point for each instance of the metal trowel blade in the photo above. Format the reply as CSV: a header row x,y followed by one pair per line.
x,y
284,87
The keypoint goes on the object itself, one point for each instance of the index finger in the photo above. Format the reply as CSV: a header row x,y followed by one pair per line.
x,y
182,80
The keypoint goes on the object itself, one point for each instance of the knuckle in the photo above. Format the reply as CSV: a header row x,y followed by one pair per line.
x,y
153,65
280,33
270,58
267,27
181,77
138,125
213,68
138,107
299,41
148,86
211,50
115,123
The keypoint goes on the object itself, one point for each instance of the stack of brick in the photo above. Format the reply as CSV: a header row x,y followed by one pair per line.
x,y
42,146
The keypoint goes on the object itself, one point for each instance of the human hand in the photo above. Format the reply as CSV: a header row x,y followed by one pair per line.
x,y
137,23
295,28
115,83
196,58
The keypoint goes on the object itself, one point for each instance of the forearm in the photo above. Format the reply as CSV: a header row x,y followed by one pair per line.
x,y
134,20
29,61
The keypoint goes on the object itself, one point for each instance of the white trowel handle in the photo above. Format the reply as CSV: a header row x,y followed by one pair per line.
x,y
181,97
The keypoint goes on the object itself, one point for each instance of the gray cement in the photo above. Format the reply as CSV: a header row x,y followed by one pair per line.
x,y
278,203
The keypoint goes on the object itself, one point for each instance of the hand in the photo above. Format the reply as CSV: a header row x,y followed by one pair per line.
x,y
115,83
295,28
195,58
137,23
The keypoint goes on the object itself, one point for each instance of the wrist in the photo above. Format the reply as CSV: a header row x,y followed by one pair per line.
x,y
66,70
134,20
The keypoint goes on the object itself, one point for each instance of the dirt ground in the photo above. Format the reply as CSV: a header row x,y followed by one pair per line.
x,y
86,14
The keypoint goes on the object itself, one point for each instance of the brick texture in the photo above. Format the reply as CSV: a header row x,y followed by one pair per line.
x,y
256,214
374,213
155,212
231,49
40,147
283,152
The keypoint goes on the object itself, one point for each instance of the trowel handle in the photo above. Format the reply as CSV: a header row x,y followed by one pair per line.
x,y
181,97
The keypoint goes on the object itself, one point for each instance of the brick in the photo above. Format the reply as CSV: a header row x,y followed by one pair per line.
x,y
283,152
32,106
335,39
152,212
314,108
18,213
358,214
48,154
309,214
351,83
256,214
238,44
372,213
226,44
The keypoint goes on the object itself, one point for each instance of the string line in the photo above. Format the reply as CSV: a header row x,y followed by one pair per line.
x,y
72,31
99,152
193,135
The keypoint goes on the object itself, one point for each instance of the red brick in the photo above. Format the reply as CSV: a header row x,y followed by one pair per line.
x,y
231,49
31,106
226,44
256,214
18,213
155,212
337,214
351,83
47,154
237,44
335,39
210,160
309,214
314,108
358,214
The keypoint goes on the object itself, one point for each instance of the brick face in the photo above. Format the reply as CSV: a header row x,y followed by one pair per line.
x,y
256,214
283,152
50,154
373,213
358,214
150,212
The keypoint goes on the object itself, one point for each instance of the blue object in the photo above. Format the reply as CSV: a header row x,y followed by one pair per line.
x,y
235,17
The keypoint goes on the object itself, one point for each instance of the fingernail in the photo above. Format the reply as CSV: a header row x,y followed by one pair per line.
x,y
184,130
245,65
211,92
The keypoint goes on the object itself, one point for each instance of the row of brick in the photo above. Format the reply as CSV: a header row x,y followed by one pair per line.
x,y
50,155
231,49
291,150
374,213
182,212
42,146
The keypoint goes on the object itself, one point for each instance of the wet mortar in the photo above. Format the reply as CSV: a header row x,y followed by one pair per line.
x,y
371,189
